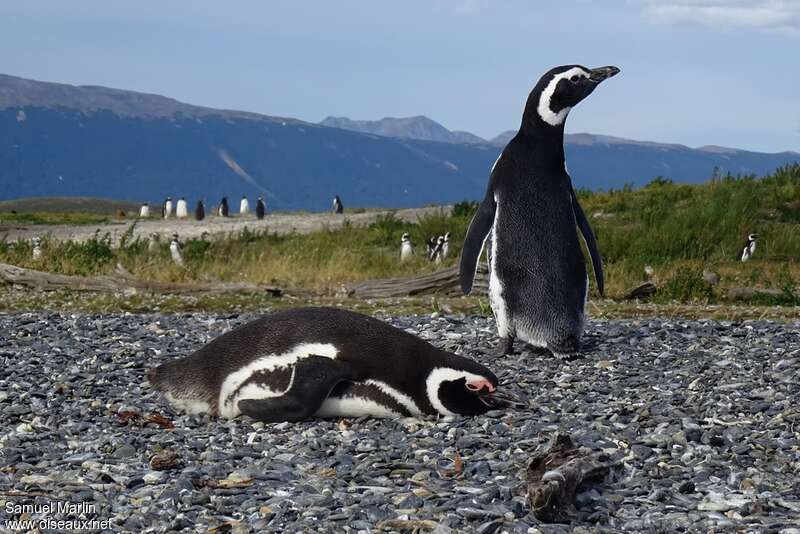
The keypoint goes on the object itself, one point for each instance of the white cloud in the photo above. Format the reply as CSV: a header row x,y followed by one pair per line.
x,y
780,16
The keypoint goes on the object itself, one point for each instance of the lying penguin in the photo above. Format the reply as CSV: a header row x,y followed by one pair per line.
x,y
325,362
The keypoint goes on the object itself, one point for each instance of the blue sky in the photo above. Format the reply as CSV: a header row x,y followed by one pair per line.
x,y
696,72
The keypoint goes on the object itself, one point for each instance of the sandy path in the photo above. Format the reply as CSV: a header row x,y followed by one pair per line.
x,y
189,228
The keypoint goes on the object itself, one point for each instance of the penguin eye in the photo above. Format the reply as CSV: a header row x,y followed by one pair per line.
x,y
574,78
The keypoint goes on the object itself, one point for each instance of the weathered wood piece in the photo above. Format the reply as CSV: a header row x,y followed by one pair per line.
x,y
555,474
743,293
444,282
641,292
121,282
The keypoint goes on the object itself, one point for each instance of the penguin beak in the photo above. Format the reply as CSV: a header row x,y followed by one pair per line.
x,y
602,73
496,400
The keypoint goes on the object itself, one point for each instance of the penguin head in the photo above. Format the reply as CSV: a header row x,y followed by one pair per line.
x,y
465,392
447,237
752,237
559,90
405,238
440,240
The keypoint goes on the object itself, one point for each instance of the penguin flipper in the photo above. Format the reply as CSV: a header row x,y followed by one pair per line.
x,y
476,237
313,379
588,237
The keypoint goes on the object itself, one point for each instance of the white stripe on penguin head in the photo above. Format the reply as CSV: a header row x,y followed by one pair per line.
x,y
444,374
545,111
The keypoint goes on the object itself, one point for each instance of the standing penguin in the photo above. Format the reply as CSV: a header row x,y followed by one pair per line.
x,y
244,206
200,211
152,243
144,210
537,282
749,247
430,246
338,207
446,245
326,362
166,208
175,250
181,209
436,255
261,209
223,207
37,248
406,247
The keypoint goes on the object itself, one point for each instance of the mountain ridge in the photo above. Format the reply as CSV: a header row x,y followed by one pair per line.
x,y
65,140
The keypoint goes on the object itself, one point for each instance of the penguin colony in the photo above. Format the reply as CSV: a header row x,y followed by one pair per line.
x,y
436,249
328,362
181,209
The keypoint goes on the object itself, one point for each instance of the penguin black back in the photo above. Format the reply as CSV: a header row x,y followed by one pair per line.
x,y
261,209
200,211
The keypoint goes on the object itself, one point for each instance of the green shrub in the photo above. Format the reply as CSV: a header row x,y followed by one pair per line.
x,y
686,285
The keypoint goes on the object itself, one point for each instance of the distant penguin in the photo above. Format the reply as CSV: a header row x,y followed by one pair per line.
x,y
37,248
338,207
152,243
261,209
325,362
749,247
537,282
181,209
430,246
223,207
175,251
144,210
446,245
406,247
244,206
200,211
166,208
436,255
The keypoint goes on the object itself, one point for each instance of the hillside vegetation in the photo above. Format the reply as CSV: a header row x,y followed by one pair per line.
x,y
678,230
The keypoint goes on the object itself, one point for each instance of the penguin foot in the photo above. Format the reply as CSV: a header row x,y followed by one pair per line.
x,y
567,355
565,349
505,346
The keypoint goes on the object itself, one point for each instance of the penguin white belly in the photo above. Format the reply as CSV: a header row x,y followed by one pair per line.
x,y
354,407
187,405
406,252
236,387
369,398
181,211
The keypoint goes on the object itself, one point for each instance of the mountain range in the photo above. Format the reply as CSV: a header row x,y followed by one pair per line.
x,y
65,140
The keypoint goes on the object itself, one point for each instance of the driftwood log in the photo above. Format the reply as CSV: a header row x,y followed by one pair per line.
x,y
122,281
555,474
642,291
743,293
444,282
